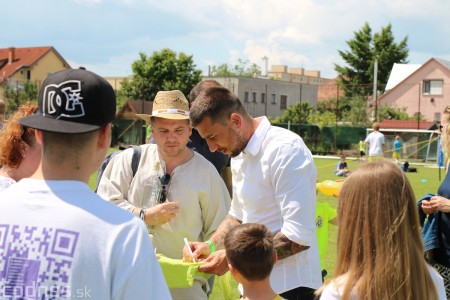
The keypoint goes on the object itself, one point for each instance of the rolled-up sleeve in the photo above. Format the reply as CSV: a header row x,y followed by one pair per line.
x,y
294,179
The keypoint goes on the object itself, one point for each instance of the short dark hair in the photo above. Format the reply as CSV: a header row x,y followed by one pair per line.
x,y
200,87
250,249
218,103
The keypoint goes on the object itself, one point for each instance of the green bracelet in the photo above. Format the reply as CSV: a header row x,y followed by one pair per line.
x,y
211,244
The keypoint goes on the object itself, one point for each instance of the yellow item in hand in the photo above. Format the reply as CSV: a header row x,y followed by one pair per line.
x,y
178,273
329,187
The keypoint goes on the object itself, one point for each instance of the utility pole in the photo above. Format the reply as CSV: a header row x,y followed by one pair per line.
x,y
375,94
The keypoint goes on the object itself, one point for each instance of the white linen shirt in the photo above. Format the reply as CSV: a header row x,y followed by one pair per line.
x,y
274,183
195,185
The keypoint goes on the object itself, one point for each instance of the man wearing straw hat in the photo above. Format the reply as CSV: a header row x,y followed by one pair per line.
x,y
175,191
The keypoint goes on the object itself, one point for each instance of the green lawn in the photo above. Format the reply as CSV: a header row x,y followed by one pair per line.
x,y
426,180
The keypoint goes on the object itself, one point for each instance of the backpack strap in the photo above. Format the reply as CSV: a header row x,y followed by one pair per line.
x,y
137,151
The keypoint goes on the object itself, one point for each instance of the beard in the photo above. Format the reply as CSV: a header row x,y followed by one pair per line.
x,y
240,144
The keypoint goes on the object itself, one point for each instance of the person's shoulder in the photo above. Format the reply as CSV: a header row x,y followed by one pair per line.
x,y
333,288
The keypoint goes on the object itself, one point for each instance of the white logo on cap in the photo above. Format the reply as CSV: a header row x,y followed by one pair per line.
x,y
63,100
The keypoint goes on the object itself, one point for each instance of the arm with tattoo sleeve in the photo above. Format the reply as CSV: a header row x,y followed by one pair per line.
x,y
227,223
285,247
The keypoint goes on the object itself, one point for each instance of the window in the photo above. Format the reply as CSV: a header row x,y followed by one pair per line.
x,y
246,97
254,97
274,99
263,97
432,87
283,102
437,117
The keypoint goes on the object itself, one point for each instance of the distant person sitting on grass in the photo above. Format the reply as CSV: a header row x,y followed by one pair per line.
x,y
251,255
342,167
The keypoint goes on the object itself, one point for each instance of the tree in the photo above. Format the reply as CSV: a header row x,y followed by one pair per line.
x,y
16,96
357,116
297,114
164,70
389,112
241,70
357,77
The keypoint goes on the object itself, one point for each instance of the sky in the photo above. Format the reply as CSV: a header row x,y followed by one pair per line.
x,y
106,36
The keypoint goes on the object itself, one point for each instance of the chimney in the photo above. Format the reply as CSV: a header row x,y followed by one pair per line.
x,y
11,55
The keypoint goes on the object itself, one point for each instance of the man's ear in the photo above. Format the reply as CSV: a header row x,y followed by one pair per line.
x,y
236,120
38,136
104,136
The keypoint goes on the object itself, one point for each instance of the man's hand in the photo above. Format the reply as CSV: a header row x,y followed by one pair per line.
x,y
216,263
200,251
161,213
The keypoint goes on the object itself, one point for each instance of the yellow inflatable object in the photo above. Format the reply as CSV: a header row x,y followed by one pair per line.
x,y
329,187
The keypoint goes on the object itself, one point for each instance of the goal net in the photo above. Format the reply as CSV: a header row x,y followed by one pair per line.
x,y
419,146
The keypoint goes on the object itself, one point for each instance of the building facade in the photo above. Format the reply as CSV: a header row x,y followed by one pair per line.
x,y
266,97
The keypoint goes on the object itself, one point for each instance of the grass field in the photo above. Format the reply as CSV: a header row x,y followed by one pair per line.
x,y
426,180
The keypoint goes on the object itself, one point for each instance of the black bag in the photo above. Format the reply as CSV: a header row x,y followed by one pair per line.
x,y
134,162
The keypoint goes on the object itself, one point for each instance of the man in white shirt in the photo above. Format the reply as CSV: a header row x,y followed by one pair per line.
x,y
58,239
274,183
375,142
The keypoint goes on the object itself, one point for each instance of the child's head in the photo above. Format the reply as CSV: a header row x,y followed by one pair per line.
x,y
342,157
250,251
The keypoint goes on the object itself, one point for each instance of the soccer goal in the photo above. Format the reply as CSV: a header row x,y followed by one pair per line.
x,y
419,146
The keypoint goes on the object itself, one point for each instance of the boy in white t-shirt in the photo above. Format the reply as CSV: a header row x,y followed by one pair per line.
x,y
58,239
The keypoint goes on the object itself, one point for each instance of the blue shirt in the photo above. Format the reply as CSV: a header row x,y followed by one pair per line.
x,y
397,146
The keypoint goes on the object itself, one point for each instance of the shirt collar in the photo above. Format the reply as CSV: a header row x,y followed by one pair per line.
x,y
256,140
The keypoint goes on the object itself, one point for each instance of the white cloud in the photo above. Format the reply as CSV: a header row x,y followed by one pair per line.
x,y
301,33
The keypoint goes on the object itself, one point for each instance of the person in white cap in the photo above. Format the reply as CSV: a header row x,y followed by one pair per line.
x,y
175,191
58,239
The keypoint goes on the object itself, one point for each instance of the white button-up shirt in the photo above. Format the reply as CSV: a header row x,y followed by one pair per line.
x,y
274,183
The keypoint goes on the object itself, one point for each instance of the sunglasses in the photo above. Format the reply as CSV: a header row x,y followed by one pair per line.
x,y
165,180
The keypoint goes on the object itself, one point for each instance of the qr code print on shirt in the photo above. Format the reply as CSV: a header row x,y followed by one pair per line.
x,y
35,262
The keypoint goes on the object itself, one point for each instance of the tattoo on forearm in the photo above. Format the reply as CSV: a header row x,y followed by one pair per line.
x,y
286,247
228,223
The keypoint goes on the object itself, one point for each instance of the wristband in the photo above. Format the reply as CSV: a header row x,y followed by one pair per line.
x,y
142,214
211,244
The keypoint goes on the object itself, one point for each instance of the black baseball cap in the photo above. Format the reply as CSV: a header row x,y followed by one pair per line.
x,y
73,101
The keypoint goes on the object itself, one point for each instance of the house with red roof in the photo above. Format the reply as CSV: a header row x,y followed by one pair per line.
x,y
19,65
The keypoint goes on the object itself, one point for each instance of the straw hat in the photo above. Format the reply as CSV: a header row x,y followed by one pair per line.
x,y
168,105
